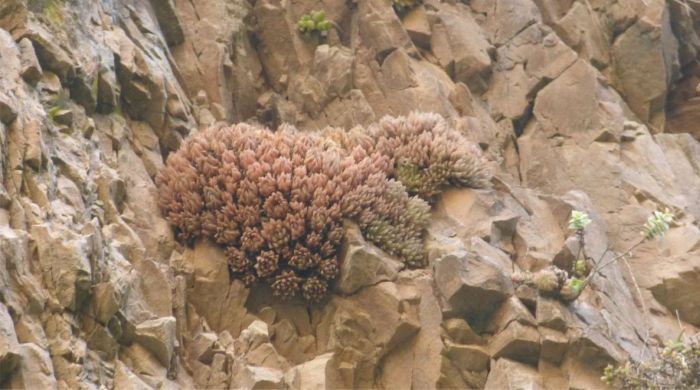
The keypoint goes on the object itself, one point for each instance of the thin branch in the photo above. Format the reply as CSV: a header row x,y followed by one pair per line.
x,y
645,346
684,4
579,234
639,291
680,325
618,257
605,252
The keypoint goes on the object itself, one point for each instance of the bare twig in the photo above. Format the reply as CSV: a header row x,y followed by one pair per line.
x,y
639,292
684,4
680,324
618,257
605,252
646,343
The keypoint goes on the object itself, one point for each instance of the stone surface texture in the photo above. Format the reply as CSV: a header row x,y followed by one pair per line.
x,y
588,105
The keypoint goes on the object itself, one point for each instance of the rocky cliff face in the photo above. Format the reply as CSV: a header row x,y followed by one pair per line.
x,y
587,105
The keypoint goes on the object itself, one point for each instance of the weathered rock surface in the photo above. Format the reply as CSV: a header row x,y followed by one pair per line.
x,y
507,374
471,285
9,347
578,105
363,264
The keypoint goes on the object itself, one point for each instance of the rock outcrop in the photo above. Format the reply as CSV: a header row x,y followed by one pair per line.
x,y
578,106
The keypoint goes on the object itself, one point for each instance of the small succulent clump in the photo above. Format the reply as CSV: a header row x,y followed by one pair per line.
x,y
676,366
314,22
579,220
657,224
402,6
581,268
550,280
397,222
572,288
276,200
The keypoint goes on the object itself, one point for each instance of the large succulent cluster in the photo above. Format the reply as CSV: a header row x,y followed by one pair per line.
x,y
275,200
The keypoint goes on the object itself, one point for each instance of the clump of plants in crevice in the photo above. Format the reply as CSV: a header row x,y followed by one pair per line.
x,y
403,6
676,366
568,285
275,201
314,23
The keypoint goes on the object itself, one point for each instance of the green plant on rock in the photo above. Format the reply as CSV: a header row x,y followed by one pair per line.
x,y
397,230
658,224
403,6
52,112
275,201
676,366
314,22
578,221
569,284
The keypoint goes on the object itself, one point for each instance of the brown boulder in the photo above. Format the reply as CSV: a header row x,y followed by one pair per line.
x,y
417,26
363,264
507,374
9,347
645,58
461,47
517,342
470,285
168,21
220,301
553,346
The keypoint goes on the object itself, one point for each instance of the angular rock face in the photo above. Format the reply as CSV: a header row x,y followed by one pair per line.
x,y
577,106
507,374
363,264
9,347
470,285
645,57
